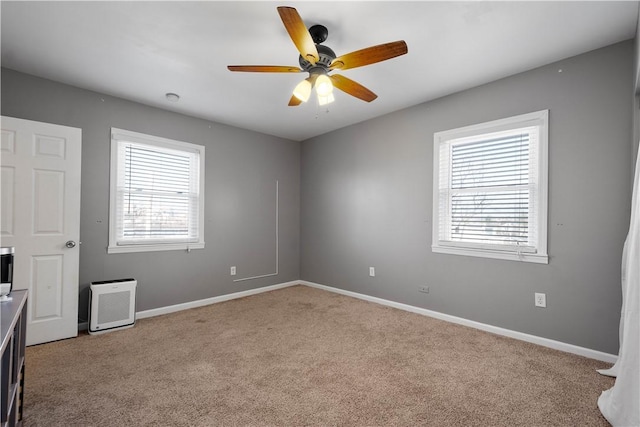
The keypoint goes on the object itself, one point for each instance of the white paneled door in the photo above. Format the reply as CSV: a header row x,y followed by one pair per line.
x,y
40,217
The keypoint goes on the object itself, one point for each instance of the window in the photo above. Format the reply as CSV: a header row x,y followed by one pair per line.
x,y
490,189
156,194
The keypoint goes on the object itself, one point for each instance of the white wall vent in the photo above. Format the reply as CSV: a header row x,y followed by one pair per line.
x,y
112,305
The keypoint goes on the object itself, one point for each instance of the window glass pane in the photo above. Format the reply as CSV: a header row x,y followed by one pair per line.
x,y
490,217
488,202
157,199
491,162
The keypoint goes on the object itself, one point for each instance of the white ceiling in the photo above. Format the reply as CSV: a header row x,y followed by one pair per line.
x,y
142,50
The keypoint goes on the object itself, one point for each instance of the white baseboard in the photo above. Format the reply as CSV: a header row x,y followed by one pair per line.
x,y
83,326
200,303
545,342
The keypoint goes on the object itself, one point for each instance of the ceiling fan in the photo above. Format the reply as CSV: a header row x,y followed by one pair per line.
x,y
318,60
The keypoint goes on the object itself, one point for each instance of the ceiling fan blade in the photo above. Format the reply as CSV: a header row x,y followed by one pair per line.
x,y
299,33
265,68
294,101
369,55
352,88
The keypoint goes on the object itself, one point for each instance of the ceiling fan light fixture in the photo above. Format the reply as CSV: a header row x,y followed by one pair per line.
x,y
303,90
324,87
324,100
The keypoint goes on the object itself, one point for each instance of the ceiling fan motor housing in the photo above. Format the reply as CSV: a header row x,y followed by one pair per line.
x,y
326,54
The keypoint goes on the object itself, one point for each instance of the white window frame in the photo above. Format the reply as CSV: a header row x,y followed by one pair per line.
x,y
116,243
537,253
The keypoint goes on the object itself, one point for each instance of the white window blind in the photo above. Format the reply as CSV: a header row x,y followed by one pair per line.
x,y
488,195
157,200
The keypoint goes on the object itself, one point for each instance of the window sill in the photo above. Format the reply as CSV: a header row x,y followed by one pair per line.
x,y
495,254
154,248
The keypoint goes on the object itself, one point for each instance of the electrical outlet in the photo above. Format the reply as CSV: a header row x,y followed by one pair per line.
x,y
233,270
541,300
423,289
372,271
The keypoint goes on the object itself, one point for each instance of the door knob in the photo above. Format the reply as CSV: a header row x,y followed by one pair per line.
x,y
70,244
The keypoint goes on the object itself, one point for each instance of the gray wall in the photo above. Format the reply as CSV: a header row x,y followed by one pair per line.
x,y
636,64
366,201
636,101
241,170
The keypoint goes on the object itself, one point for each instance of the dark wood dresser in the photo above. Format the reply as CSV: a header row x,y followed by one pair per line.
x,y
13,326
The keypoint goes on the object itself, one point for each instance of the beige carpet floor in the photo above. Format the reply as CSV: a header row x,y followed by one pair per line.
x,y
303,356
